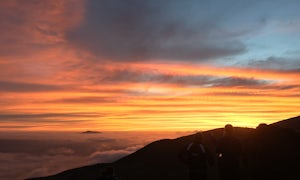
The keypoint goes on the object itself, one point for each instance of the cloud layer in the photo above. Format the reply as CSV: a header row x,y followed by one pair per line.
x,y
33,154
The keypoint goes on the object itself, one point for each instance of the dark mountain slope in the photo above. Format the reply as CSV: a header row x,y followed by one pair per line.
x,y
269,152
85,173
161,157
272,152
158,160
292,123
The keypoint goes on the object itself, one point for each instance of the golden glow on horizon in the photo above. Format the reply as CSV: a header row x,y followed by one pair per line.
x,y
154,106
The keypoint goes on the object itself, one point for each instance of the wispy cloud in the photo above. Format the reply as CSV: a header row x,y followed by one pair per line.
x,y
277,63
86,100
33,26
6,86
137,76
44,115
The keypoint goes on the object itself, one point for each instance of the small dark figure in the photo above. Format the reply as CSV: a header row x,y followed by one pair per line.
x,y
195,156
228,151
108,174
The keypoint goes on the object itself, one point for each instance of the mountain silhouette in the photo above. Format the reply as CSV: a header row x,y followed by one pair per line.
x,y
269,152
292,123
91,132
272,152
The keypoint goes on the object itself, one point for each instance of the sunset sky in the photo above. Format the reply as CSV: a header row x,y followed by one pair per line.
x,y
128,65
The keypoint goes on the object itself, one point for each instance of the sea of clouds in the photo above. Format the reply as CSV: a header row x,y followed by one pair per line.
x,y
34,154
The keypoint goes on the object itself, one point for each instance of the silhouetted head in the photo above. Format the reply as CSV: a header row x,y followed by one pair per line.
x,y
262,126
228,130
198,137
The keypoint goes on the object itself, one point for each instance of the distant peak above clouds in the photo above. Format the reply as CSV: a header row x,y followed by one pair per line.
x,y
91,132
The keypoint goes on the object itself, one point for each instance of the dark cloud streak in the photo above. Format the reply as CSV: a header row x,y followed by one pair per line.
x,y
136,76
86,100
49,118
238,82
141,30
8,86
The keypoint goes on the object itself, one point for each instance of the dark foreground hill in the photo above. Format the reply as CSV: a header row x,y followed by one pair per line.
x,y
292,123
269,152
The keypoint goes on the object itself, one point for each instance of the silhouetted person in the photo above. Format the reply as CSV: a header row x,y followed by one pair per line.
x,y
228,151
108,174
196,157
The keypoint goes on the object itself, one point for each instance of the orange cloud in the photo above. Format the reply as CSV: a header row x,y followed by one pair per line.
x,y
47,83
